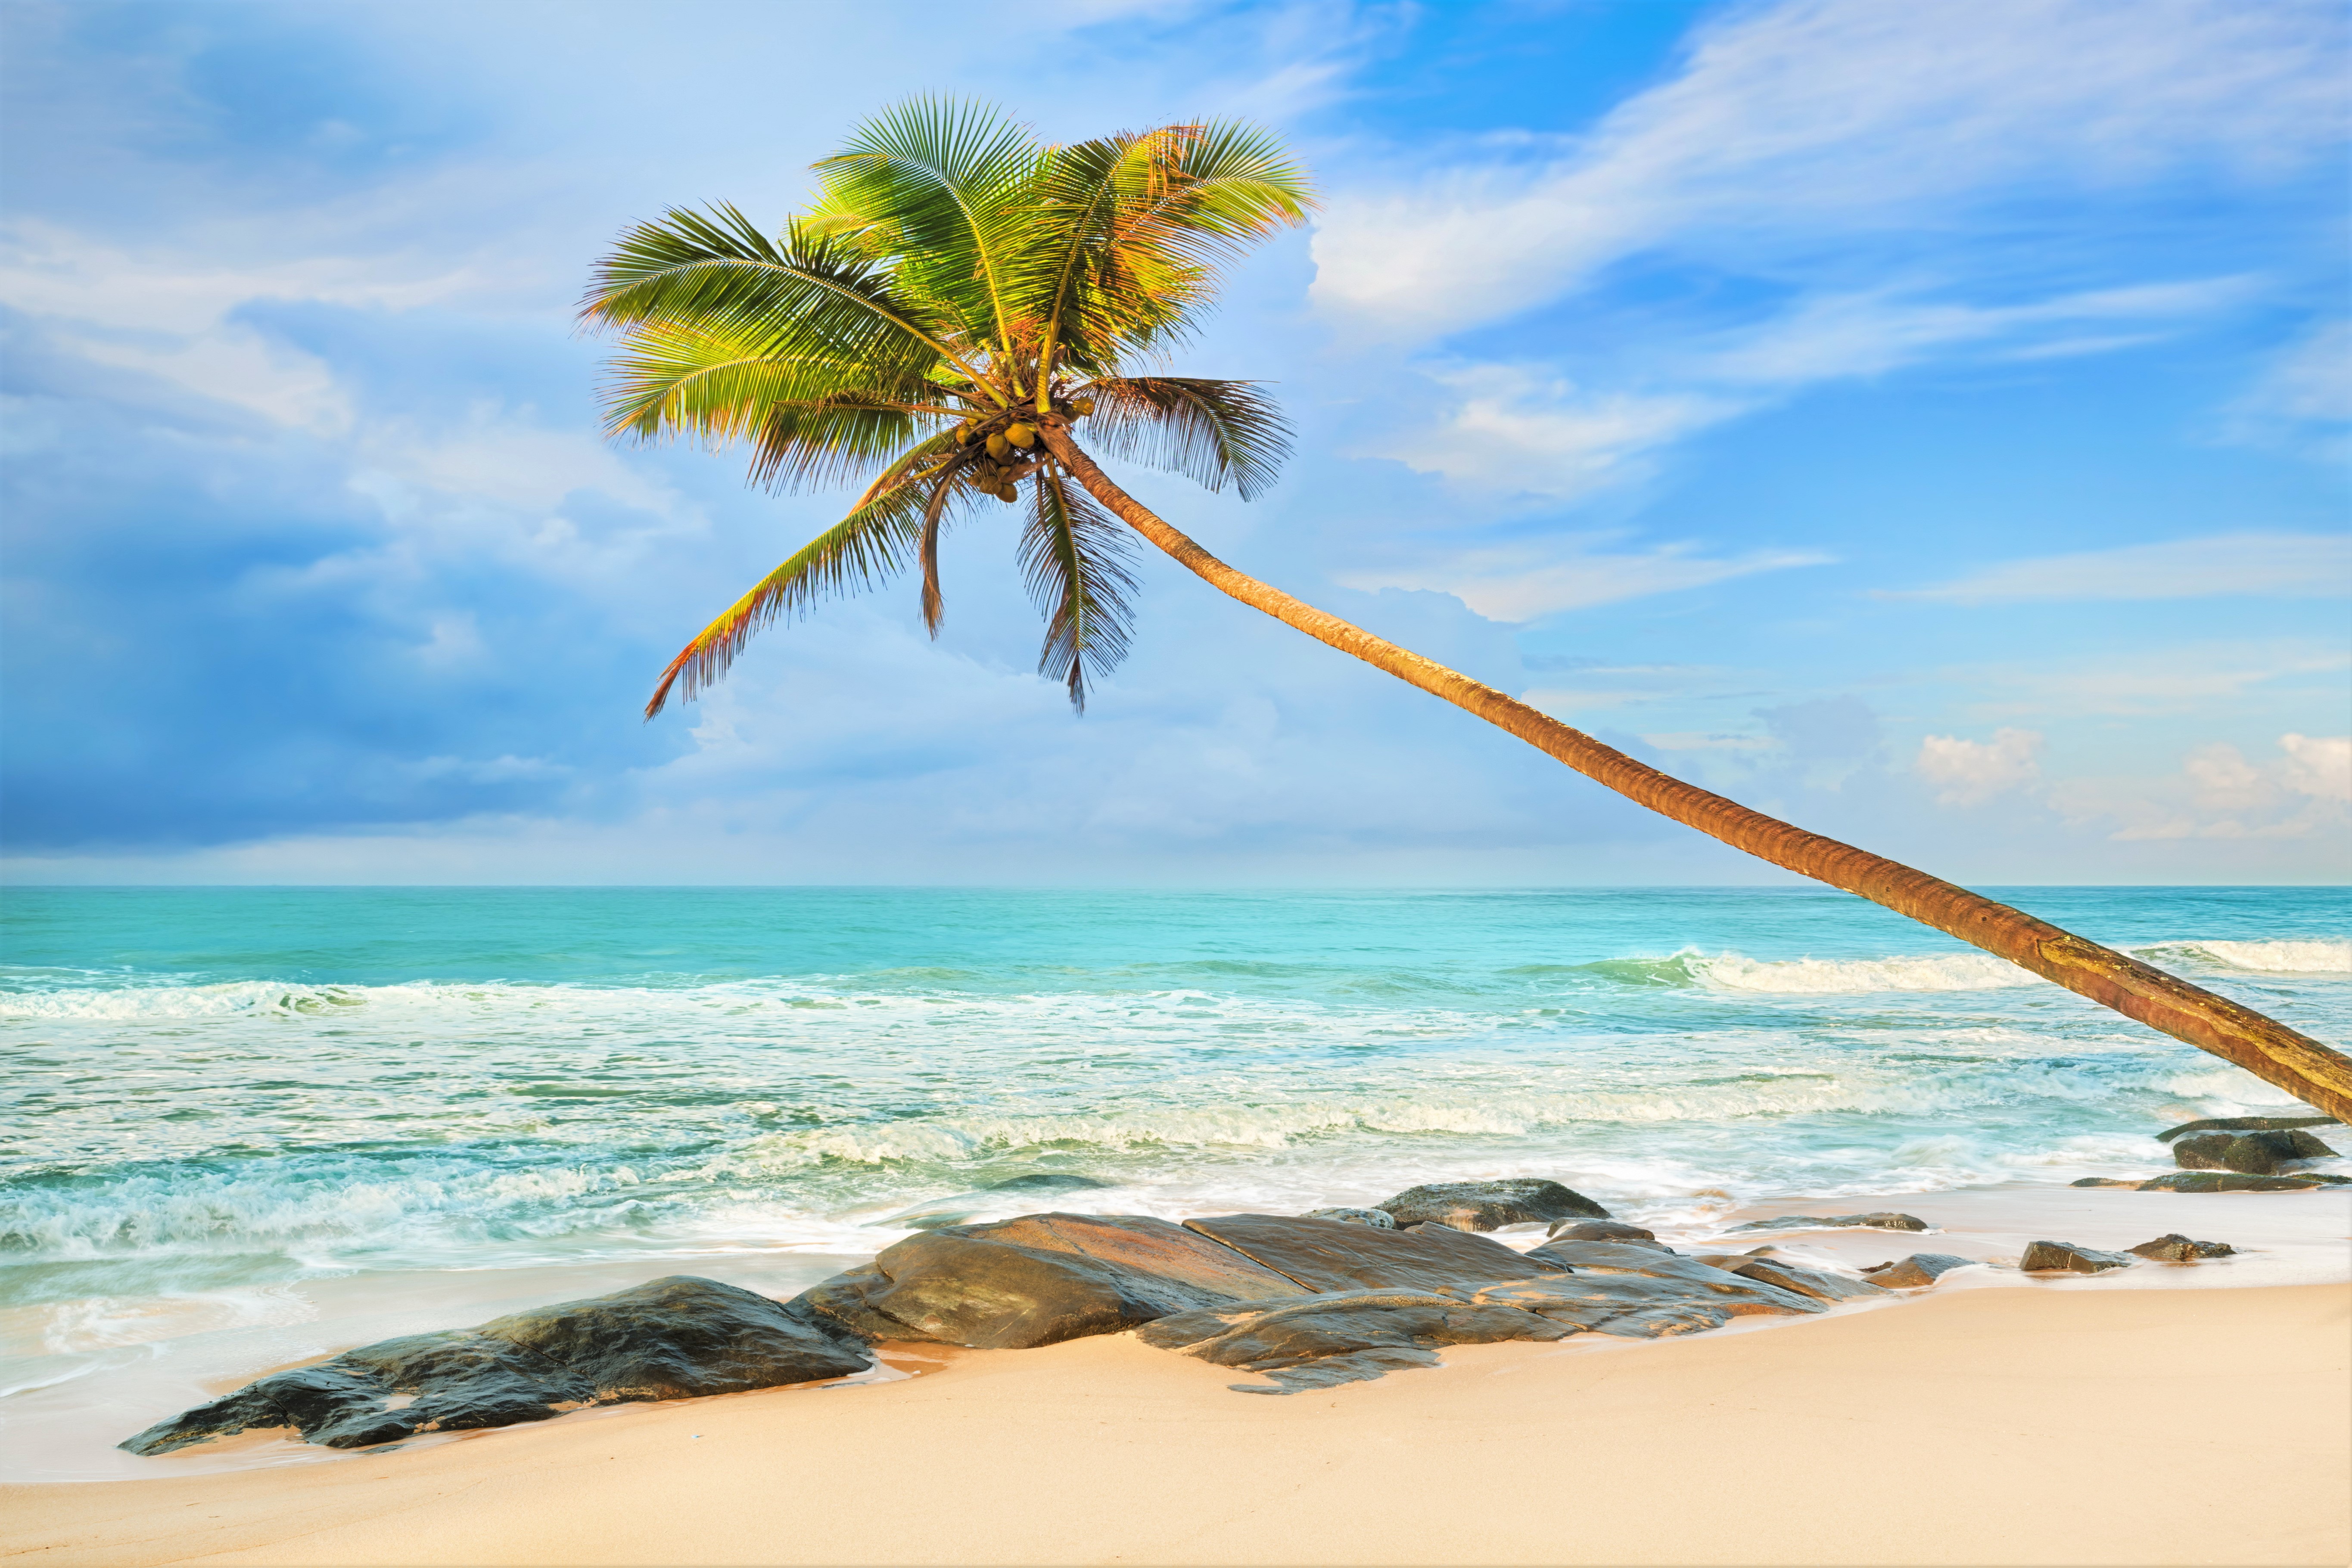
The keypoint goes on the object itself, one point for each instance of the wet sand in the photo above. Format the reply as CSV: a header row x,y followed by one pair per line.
x,y
2034,1423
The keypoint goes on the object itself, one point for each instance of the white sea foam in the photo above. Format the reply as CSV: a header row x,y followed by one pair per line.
x,y
1830,977
2286,956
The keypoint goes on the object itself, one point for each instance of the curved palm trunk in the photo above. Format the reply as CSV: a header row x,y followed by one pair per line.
x,y
2306,1069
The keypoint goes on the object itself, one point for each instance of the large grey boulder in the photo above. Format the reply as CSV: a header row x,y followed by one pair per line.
x,y
1916,1271
1379,1219
1489,1206
1605,1230
1041,1279
2065,1258
1326,1256
670,1339
2260,1154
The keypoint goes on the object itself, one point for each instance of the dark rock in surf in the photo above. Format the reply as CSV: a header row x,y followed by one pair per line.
x,y
1325,1255
2243,1124
2105,1181
1046,1182
1916,1271
669,1339
2065,1258
2267,1153
2231,1182
1835,1222
2177,1248
1379,1219
1489,1206
1041,1279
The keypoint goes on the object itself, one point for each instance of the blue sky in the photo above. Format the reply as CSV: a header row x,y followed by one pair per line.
x,y
1924,421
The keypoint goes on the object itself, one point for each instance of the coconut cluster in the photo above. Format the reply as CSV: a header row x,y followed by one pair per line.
x,y
1008,440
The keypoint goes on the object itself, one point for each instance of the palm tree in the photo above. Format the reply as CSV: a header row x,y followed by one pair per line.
x,y
962,301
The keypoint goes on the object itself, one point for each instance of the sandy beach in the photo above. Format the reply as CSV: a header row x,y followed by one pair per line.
x,y
2030,1425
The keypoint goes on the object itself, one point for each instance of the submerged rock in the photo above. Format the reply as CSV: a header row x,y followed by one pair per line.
x,y
2177,1248
1046,1182
1489,1206
1830,1222
1325,1255
2243,1124
1379,1219
1041,1279
2231,1182
1692,1279
2105,1181
2065,1258
669,1339
1916,1271
2265,1154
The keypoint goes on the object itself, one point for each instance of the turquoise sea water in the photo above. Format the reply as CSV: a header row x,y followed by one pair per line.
x,y
247,1125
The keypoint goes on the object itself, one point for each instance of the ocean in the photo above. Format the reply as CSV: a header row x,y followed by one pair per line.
x,y
247,1127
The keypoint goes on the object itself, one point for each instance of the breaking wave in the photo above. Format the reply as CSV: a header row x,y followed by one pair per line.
x,y
2290,956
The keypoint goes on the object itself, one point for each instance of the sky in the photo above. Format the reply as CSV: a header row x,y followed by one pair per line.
x,y
1927,423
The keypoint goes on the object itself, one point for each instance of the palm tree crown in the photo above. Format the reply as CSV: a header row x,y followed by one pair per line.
x,y
956,282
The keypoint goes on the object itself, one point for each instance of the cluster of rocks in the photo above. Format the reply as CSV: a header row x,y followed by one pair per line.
x,y
2065,1258
2240,1155
1305,1302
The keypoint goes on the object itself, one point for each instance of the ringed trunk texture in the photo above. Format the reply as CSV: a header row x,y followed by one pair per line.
x,y
2312,1072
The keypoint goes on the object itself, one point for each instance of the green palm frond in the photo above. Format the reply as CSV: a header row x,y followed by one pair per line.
x,y
1074,556
1213,432
877,539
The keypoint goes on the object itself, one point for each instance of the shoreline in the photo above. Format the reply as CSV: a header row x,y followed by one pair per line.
x,y
2039,1424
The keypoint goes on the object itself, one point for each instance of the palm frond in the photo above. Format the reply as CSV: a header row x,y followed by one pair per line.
x,y
1214,432
875,540
937,185
1074,556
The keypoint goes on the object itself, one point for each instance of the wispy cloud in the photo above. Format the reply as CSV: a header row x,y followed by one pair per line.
x,y
2287,565
1794,125
1528,582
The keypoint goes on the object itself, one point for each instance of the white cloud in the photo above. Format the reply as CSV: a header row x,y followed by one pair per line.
x,y
1969,772
2290,565
1512,429
1809,119
2304,397
1523,583
2220,794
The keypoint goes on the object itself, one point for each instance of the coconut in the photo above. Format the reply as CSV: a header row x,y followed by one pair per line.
x,y
997,445
1083,407
1021,435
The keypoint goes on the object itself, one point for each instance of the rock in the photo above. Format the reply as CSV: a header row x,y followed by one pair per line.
x,y
2177,1248
1818,1283
1827,1222
670,1339
2065,1258
1605,1230
1379,1219
1718,1286
843,1298
1325,1255
1916,1271
2243,1124
1488,1205
1624,1306
2105,1181
1045,1182
2231,1182
1043,1279
1276,1337
2250,1153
